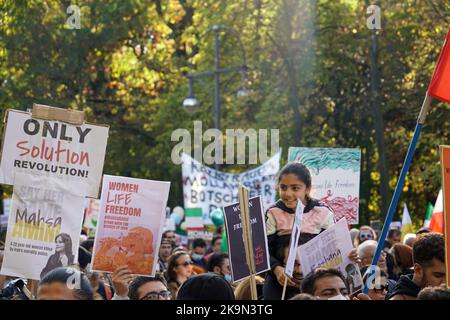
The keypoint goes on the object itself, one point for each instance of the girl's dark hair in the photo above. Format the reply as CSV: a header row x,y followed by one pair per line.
x,y
171,274
299,170
82,287
67,243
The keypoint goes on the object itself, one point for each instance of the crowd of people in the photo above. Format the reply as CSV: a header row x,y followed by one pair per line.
x,y
203,272
406,270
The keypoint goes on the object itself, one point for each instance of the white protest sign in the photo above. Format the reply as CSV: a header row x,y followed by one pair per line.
x,y
295,235
130,226
206,188
54,149
330,249
335,176
200,234
43,228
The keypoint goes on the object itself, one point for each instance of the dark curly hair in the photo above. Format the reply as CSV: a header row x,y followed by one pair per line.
x,y
309,283
434,293
427,247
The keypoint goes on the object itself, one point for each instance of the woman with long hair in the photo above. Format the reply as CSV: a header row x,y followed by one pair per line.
x,y
63,256
179,269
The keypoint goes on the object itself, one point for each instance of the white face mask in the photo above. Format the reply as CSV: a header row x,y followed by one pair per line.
x,y
196,256
227,277
338,297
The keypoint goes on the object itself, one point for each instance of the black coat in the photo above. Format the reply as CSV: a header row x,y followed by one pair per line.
x,y
53,263
405,287
272,290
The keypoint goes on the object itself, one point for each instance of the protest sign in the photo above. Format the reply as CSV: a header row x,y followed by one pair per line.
x,y
232,214
330,249
445,165
209,189
43,228
130,226
335,176
295,235
200,234
54,149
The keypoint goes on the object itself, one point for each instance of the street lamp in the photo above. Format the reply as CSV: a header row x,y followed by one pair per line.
x,y
190,102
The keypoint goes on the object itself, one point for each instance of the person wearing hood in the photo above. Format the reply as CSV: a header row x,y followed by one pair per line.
x,y
428,265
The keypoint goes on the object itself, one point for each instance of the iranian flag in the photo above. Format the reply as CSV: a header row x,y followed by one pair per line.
x,y
194,218
428,215
437,220
439,87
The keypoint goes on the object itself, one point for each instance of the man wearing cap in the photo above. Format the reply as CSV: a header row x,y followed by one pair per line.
x,y
165,251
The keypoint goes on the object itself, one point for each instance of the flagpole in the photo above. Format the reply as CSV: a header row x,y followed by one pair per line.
x,y
398,188
284,287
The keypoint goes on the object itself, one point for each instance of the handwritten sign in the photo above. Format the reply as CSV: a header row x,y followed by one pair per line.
x,y
330,249
335,176
209,189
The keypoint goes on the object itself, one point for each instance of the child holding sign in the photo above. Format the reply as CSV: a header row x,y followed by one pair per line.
x,y
294,183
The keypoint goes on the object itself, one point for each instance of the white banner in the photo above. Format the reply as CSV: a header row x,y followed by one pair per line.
x,y
335,176
330,249
130,226
54,149
206,188
43,228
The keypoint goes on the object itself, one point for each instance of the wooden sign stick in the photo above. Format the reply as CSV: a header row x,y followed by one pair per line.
x,y
247,237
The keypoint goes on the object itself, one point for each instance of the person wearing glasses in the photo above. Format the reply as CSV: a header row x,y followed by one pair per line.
x,y
127,287
179,269
365,233
378,287
149,288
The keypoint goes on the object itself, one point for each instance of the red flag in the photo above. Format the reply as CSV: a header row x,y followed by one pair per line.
x,y
437,222
440,82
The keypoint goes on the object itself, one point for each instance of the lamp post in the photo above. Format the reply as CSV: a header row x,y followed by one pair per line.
x,y
190,102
